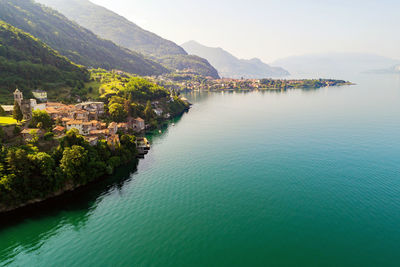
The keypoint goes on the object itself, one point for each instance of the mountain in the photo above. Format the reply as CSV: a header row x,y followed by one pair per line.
x,y
334,64
27,63
392,70
73,41
125,33
232,67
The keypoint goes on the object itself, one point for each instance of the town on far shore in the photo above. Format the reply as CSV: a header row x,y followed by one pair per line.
x,y
190,81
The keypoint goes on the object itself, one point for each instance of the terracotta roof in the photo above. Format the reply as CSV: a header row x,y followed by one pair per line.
x,y
95,132
81,111
58,129
74,122
55,104
139,119
51,110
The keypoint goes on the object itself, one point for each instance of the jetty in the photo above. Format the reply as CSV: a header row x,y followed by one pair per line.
x,y
143,146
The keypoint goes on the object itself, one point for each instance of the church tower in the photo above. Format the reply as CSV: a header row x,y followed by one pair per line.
x,y
18,96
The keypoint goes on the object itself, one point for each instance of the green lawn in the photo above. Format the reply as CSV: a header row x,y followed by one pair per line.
x,y
7,121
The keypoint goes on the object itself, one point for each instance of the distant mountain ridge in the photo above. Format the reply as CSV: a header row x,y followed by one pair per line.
x,y
230,66
392,70
335,64
123,32
75,42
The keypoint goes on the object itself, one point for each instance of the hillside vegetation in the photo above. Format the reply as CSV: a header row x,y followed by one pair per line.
x,y
112,26
123,32
27,63
73,41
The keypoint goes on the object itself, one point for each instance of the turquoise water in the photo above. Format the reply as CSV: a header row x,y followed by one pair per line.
x,y
305,177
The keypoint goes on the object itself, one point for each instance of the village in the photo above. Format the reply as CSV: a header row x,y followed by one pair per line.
x,y
85,117
192,82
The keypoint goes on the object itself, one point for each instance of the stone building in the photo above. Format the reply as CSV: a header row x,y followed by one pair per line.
x,y
26,105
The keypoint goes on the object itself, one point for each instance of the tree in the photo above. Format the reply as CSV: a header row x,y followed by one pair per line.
x,y
148,111
72,138
127,105
74,164
2,135
41,117
35,137
17,112
128,108
117,112
2,111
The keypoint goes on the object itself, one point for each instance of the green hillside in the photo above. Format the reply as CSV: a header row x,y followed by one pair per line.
x,y
73,41
111,26
191,63
27,63
123,32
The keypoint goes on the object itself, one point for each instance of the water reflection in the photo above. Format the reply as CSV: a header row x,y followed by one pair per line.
x,y
70,210
200,96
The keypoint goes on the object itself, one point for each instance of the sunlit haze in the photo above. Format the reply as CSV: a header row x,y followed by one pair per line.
x,y
271,29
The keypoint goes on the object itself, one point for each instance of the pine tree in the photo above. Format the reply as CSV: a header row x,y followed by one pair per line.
x,y
2,111
17,112
127,106
148,111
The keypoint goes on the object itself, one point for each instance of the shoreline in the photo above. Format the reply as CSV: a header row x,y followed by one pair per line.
x,y
77,197
69,189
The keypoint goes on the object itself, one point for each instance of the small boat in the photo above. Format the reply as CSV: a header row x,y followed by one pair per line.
x,y
159,131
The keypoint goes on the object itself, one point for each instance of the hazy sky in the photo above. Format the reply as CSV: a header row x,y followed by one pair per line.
x,y
271,29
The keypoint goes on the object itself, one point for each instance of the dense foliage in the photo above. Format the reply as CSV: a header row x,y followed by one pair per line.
x,y
27,63
136,88
125,33
27,174
40,119
313,83
73,41
194,64
129,96
17,112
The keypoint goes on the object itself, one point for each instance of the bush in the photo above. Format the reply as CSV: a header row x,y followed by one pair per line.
x,y
48,136
17,130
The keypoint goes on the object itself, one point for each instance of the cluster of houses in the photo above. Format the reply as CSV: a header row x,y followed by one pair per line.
x,y
85,117
190,82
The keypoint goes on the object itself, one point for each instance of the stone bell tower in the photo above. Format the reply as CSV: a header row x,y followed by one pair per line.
x,y
18,96
26,105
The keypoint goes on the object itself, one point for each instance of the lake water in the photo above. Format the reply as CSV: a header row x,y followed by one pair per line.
x,y
302,177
